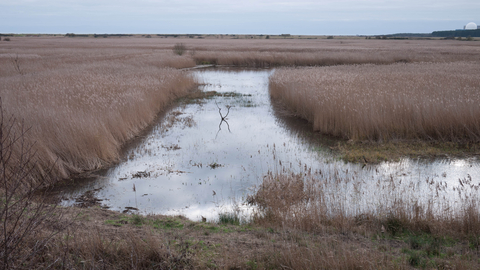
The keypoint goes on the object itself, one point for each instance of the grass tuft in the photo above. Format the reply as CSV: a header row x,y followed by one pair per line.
x,y
229,218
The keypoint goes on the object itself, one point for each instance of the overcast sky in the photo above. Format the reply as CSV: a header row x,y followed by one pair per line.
x,y
324,17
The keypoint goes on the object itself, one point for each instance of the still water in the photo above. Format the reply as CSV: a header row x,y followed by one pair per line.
x,y
199,161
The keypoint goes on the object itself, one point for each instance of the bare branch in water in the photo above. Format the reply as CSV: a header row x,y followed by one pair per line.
x,y
223,119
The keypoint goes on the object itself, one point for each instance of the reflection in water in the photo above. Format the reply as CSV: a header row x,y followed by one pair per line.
x,y
188,164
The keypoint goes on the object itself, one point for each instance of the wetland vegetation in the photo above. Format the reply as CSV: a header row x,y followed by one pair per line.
x,y
71,105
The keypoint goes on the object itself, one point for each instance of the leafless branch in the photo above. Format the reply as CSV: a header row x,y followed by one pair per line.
x,y
223,119
24,212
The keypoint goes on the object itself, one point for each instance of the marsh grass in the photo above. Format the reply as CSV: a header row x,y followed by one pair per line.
x,y
431,232
80,109
313,202
426,101
298,52
83,99
126,250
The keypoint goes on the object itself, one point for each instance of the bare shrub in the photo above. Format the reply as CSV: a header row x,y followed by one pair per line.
x,y
24,213
16,65
179,49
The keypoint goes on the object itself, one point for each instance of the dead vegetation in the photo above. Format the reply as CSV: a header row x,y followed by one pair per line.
x,y
298,52
426,101
82,104
300,224
28,224
408,231
312,202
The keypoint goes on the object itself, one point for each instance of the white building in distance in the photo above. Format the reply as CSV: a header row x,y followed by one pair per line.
x,y
471,26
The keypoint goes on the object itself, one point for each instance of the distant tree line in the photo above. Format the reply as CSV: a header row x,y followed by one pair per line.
x,y
457,33
96,35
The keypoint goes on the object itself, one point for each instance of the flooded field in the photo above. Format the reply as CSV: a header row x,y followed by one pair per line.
x,y
204,157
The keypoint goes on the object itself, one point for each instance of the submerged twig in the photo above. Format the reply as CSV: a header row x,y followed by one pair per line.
x,y
223,119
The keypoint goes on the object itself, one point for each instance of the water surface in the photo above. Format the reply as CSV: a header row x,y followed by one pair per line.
x,y
195,163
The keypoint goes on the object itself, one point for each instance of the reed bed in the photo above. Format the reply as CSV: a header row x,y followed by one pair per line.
x,y
229,50
275,59
80,105
80,99
335,203
322,200
273,53
428,101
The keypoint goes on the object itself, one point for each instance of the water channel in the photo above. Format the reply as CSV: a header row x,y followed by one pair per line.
x,y
199,161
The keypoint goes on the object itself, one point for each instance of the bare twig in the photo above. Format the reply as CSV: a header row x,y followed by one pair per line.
x,y
24,211
223,119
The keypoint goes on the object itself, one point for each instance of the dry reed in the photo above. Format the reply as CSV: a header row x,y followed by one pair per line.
x,y
84,98
432,101
344,214
83,104
298,52
329,201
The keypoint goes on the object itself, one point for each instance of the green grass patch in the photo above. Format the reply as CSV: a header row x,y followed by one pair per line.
x,y
375,152
208,227
197,96
229,218
118,222
425,250
168,224
137,220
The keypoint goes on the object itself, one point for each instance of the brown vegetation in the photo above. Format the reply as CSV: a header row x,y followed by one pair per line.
x,y
80,99
301,223
298,52
82,104
312,202
428,101
117,241
26,219
430,227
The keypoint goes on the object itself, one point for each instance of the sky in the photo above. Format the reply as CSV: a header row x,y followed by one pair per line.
x,y
300,17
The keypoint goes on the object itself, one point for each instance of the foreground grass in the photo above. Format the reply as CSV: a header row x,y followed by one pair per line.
x,y
300,222
100,239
